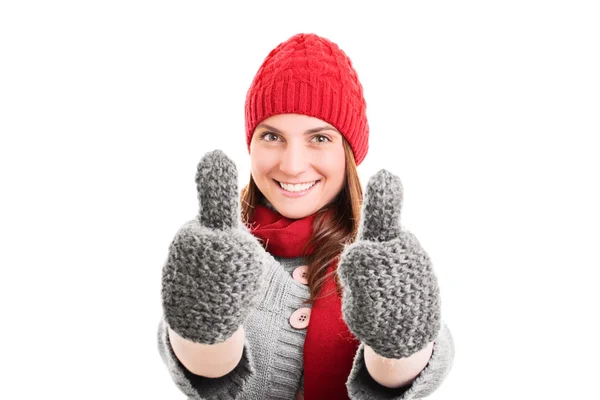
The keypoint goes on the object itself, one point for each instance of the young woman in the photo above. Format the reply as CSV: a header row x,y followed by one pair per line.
x,y
301,288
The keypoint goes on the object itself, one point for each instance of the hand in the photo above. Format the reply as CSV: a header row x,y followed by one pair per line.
x,y
213,273
391,298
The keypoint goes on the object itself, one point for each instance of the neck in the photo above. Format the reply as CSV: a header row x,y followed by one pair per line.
x,y
263,200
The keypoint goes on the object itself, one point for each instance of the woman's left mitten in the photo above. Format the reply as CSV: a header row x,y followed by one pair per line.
x,y
391,300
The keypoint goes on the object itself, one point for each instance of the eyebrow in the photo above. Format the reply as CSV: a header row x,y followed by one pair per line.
x,y
313,130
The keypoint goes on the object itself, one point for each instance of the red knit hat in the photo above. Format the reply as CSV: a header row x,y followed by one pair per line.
x,y
310,75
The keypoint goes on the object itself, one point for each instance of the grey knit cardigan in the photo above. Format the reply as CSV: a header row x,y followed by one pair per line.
x,y
272,360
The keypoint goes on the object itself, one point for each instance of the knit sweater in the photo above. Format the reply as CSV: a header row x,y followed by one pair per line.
x,y
272,361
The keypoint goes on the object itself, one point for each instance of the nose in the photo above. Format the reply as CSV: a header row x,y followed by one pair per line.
x,y
293,161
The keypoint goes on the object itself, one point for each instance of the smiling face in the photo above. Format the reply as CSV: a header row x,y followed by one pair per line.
x,y
298,163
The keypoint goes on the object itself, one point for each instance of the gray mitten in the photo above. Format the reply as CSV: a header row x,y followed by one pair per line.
x,y
213,273
391,299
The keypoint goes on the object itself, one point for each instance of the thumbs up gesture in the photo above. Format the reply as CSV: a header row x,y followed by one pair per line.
x,y
213,273
391,299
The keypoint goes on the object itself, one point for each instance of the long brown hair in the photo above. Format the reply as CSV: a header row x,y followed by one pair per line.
x,y
330,233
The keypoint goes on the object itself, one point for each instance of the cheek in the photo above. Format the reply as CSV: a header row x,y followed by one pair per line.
x,y
261,163
334,164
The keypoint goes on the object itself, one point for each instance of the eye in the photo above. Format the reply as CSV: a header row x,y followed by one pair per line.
x,y
321,138
267,136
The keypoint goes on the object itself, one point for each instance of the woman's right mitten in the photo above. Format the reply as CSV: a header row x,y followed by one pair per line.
x,y
213,274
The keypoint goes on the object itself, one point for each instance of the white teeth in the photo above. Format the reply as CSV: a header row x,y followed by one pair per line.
x,y
298,187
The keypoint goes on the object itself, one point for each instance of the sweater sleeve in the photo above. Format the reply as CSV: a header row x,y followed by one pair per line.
x,y
361,386
199,387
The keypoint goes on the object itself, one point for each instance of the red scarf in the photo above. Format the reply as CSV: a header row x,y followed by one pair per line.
x,y
329,348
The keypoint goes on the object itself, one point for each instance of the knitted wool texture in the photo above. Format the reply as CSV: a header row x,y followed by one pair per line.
x,y
391,296
310,75
214,269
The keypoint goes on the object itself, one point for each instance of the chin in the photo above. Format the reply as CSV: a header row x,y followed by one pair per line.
x,y
292,212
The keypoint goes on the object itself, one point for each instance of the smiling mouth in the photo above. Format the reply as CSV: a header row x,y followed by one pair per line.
x,y
296,188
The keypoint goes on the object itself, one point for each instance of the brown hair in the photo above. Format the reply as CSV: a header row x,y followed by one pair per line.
x,y
330,233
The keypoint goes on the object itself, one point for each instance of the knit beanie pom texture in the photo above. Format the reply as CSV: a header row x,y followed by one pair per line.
x,y
308,74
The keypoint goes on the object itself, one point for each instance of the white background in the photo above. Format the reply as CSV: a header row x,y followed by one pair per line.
x,y
488,111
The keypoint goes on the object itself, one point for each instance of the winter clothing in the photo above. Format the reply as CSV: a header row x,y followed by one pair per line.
x,y
329,347
387,272
220,274
310,75
280,236
213,273
272,364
